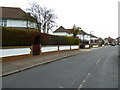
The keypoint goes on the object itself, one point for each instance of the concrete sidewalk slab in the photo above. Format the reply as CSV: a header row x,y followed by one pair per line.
x,y
14,66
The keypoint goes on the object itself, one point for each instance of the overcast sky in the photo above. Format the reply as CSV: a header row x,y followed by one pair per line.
x,y
100,16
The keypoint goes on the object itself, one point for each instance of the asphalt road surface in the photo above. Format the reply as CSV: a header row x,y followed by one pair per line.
x,y
94,69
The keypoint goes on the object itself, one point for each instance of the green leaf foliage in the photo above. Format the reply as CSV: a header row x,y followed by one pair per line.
x,y
72,41
26,37
18,37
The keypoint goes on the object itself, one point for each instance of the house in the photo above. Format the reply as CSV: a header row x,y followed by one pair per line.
x,y
83,36
117,41
94,39
14,17
61,31
109,40
100,41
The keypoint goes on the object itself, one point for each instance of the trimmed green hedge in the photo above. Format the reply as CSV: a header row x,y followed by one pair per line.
x,y
72,41
26,37
18,37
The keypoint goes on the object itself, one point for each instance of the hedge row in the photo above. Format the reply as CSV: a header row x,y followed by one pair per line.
x,y
26,37
18,37
47,39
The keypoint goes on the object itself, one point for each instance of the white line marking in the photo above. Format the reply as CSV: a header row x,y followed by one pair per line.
x,y
84,81
61,87
81,85
99,60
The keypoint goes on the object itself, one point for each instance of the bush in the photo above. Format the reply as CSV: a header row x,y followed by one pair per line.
x,y
72,41
26,37
18,37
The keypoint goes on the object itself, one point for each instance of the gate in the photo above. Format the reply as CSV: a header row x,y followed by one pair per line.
x,y
36,46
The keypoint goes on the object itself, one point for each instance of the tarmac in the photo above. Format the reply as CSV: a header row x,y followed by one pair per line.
x,y
15,66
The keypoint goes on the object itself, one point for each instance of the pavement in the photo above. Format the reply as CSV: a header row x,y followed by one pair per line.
x,y
11,67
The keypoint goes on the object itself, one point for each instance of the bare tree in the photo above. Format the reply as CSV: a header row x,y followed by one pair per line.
x,y
45,18
49,20
36,11
28,18
50,26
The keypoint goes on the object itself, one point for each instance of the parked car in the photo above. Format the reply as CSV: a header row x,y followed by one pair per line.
x,y
112,44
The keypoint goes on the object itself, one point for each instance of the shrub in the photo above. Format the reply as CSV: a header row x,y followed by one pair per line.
x,y
72,41
26,37
18,37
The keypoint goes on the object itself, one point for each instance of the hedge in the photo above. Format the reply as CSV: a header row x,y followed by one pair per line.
x,y
26,37
72,41
18,37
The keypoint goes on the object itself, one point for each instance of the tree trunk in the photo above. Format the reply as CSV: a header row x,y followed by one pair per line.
x,y
39,27
27,24
44,28
74,35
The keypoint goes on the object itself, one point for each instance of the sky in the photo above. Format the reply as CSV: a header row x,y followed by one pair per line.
x,y
99,16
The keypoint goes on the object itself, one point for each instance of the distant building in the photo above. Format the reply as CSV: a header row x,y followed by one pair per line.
x,y
61,31
83,36
117,40
14,17
94,39
109,40
100,41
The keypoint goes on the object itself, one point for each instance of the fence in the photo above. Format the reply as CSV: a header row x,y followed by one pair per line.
x,y
23,50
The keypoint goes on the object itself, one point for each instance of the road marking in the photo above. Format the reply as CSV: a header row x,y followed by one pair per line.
x,y
99,60
61,87
83,82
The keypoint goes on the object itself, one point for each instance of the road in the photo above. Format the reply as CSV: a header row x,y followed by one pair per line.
x,y
94,69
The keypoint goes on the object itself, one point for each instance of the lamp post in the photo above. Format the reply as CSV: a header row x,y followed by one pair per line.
x,y
90,38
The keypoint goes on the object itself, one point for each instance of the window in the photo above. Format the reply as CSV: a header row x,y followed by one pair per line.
x,y
0,22
4,22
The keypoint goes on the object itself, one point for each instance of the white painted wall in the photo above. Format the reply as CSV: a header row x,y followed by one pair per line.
x,y
94,38
16,23
23,51
86,37
14,52
62,34
32,25
0,22
49,48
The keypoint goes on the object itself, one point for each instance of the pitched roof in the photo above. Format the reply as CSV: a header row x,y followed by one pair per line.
x,y
12,13
60,29
68,30
83,32
93,36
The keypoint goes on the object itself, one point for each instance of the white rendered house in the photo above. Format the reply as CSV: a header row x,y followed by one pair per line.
x,y
13,17
61,31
